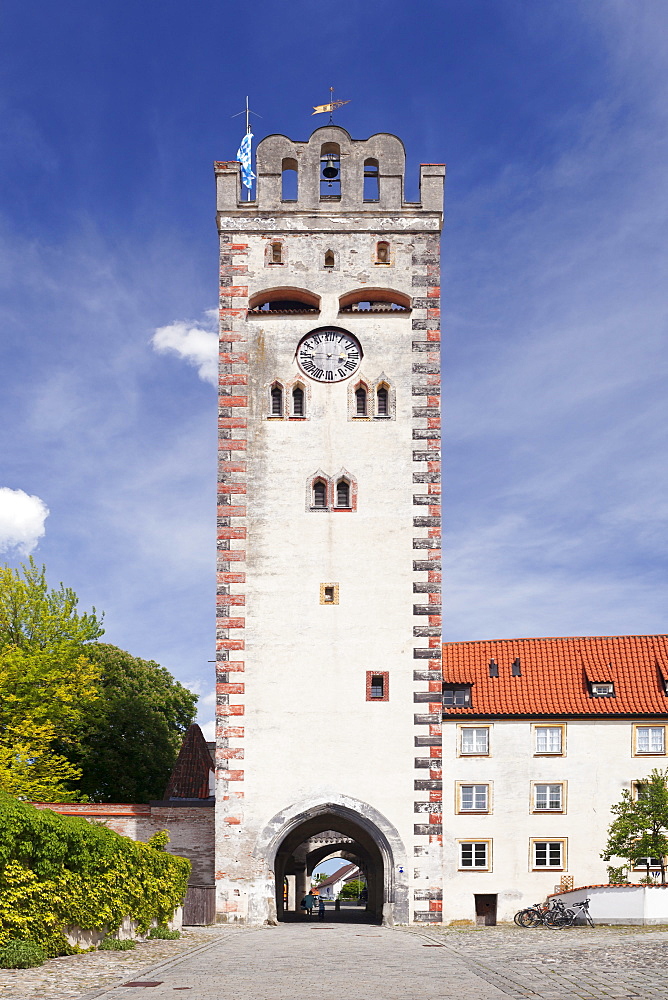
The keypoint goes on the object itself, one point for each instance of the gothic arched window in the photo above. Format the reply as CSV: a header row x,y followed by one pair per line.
x,y
320,493
276,400
382,401
343,493
298,401
360,401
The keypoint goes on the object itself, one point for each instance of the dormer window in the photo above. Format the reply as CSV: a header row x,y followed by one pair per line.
x,y
606,690
457,695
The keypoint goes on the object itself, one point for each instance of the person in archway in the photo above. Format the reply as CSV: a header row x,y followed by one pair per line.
x,y
321,908
307,903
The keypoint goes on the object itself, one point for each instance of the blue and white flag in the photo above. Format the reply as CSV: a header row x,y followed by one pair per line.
x,y
244,157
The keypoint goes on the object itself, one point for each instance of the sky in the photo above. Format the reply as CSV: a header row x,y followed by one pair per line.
x,y
552,119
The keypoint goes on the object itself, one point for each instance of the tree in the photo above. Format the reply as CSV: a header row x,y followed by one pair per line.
x,y
352,889
640,829
131,741
47,684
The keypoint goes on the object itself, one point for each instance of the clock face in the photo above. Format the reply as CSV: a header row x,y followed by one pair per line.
x,y
329,355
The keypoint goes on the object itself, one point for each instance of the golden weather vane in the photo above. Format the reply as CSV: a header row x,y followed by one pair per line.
x,y
319,109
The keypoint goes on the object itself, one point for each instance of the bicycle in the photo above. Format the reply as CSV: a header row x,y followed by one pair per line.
x,y
539,914
568,918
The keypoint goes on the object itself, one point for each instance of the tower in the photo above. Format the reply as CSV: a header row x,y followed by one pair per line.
x,y
328,586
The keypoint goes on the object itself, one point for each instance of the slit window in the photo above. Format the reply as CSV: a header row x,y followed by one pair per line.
x,y
371,181
289,180
360,402
298,402
382,401
329,258
276,253
319,493
382,252
276,401
343,493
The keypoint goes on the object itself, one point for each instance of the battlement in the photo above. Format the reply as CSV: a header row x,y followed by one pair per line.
x,y
331,174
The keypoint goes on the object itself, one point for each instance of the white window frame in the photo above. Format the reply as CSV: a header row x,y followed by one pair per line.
x,y
476,750
651,750
477,810
538,841
561,808
551,751
476,854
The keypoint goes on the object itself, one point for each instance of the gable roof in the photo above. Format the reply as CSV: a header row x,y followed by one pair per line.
x,y
190,777
344,872
555,675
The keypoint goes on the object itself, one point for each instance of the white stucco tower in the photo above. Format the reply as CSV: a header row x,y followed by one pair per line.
x,y
328,627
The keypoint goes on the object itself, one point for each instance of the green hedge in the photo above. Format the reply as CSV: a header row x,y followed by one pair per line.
x,y
57,871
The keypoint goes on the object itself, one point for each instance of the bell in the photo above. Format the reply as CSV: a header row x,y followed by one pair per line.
x,y
330,172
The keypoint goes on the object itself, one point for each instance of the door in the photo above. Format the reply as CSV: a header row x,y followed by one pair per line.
x,y
485,909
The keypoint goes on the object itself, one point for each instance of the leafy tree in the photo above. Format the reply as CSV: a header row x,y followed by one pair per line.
x,y
47,684
352,889
131,741
640,829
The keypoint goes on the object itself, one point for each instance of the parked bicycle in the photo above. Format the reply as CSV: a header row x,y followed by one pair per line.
x,y
568,918
540,914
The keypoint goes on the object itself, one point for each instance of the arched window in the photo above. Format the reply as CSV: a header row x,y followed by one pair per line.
x,y
343,493
360,401
371,181
276,401
382,401
276,253
320,493
298,401
330,171
382,252
289,180
329,258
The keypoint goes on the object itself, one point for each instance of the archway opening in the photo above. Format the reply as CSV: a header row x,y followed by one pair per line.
x,y
324,837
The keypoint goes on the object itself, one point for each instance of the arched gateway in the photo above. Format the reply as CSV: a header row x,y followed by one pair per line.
x,y
297,840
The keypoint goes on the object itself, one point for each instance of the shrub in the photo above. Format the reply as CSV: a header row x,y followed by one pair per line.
x,y
21,955
61,870
113,944
164,933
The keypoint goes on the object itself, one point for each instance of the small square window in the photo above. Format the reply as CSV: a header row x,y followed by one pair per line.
x,y
377,685
474,798
329,593
548,797
549,739
475,855
650,740
457,695
474,740
549,853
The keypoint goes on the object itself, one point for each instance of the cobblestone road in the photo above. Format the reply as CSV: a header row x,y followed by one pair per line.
x,y
364,962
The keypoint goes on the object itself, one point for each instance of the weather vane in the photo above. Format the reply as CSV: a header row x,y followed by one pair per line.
x,y
333,106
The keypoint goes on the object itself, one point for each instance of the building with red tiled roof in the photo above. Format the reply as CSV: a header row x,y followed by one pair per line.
x,y
540,737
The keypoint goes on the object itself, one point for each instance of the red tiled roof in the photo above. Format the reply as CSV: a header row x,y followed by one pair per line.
x,y
347,870
190,777
556,675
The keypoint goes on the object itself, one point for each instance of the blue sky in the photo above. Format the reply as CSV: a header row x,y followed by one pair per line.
x,y
552,119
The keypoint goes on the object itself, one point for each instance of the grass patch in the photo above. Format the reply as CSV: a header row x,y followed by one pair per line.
x,y
113,944
163,934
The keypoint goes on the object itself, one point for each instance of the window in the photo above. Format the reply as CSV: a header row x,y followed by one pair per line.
x,y
549,853
298,401
475,854
474,798
474,740
371,181
330,171
602,690
650,739
289,180
382,401
647,863
330,260
343,493
276,253
276,401
548,798
549,739
329,593
377,685
457,695
360,402
382,252
320,493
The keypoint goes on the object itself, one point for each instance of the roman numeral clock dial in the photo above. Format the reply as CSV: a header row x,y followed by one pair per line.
x,y
329,355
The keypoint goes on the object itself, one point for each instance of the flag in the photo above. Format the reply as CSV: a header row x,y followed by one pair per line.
x,y
320,109
244,157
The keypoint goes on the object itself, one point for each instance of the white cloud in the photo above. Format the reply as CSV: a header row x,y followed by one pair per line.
x,y
195,342
208,730
22,520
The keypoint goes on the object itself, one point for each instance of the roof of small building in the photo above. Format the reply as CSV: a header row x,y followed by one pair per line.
x,y
554,677
190,777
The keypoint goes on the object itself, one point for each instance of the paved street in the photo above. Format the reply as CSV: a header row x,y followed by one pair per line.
x,y
351,961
